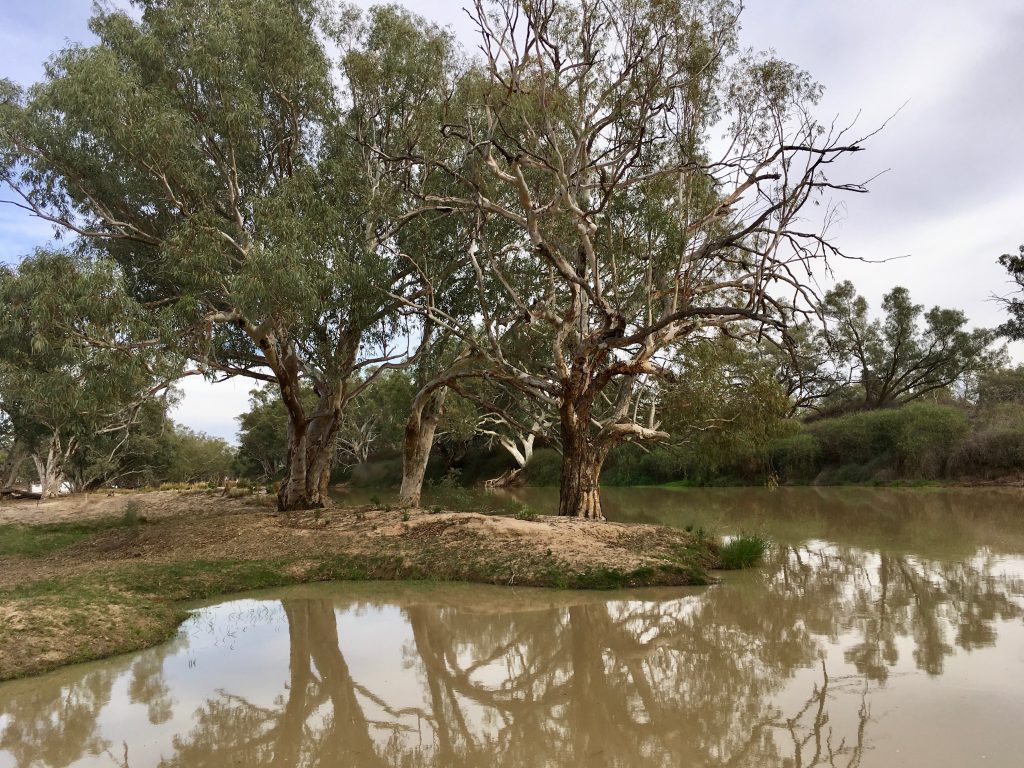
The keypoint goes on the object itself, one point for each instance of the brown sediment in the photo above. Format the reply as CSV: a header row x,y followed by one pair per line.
x,y
120,588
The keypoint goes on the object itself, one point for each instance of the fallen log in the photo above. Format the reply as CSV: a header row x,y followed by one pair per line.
x,y
20,493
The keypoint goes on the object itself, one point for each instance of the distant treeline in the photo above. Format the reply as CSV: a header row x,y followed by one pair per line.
x,y
919,442
981,439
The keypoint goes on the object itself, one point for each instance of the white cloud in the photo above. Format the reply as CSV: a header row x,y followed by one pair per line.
x,y
213,408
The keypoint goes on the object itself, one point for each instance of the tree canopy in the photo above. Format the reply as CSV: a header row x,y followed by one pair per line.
x,y
597,230
896,359
76,362
1014,263
230,157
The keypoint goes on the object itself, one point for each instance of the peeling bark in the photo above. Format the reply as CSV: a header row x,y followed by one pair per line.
x,y
427,411
311,446
51,467
583,456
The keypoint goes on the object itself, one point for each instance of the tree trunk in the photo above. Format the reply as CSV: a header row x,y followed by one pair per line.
x,y
427,410
311,443
50,468
579,493
10,470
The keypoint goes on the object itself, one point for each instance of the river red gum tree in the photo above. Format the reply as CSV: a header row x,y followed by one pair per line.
x,y
590,136
228,156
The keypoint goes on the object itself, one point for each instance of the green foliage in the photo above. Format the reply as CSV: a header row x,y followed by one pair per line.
x,y
525,513
743,551
916,441
545,467
724,406
897,358
77,366
196,457
631,464
927,437
229,157
1000,385
797,455
1014,264
995,446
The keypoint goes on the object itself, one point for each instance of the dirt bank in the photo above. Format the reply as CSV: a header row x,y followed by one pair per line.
x,y
89,576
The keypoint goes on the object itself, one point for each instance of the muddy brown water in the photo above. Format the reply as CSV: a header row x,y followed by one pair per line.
x,y
885,629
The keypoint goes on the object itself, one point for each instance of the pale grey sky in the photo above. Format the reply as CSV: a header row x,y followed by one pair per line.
x,y
951,201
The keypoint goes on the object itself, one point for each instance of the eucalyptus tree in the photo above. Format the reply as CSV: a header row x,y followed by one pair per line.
x,y
725,403
438,367
234,157
1014,326
453,363
590,137
76,366
897,358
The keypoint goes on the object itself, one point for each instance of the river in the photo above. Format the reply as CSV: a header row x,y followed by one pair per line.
x,y
885,629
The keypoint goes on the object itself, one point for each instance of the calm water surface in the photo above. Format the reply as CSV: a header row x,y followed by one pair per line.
x,y
887,629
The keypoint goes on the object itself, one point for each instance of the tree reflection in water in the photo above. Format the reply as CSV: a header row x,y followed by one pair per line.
x,y
708,678
52,720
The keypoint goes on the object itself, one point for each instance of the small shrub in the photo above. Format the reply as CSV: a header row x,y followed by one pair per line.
x,y
525,513
405,516
927,436
131,517
375,500
435,509
990,452
743,551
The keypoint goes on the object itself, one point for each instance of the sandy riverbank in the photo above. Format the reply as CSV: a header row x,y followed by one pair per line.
x,y
92,575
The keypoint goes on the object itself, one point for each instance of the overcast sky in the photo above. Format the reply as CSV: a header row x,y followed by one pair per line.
x,y
952,197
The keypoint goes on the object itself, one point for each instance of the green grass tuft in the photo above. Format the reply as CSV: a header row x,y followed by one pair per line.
x,y
744,551
525,513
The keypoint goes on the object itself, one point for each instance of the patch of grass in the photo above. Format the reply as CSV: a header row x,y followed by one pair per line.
x,y
185,486
525,513
42,540
195,579
744,551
